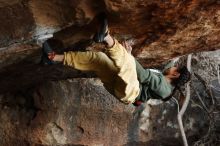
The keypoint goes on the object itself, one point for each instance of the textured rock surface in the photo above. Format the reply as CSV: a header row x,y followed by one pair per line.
x,y
68,112
80,111
161,30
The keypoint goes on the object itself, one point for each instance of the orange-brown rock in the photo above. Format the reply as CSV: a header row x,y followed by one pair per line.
x,y
80,111
161,29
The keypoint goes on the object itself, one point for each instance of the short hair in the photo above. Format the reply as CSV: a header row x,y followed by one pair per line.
x,y
184,77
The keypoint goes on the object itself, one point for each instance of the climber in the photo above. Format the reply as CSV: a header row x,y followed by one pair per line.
x,y
120,73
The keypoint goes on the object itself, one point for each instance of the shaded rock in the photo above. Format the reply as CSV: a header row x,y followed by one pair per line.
x,y
36,111
160,30
17,23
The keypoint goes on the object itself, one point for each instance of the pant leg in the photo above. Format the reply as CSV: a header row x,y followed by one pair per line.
x,y
117,53
98,62
84,61
119,80
127,84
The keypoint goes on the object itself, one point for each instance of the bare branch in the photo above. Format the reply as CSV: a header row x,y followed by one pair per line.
x,y
218,70
194,104
185,104
200,99
176,101
208,91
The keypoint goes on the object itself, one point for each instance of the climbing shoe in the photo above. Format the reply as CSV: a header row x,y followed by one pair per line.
x,y
47,54
103,29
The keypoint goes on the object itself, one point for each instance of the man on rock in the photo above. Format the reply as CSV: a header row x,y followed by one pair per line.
x,y
120,73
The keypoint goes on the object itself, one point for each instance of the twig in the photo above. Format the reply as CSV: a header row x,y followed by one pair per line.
x,y
200,99
197,105
218,70
185,104
210,138
176,101
208,91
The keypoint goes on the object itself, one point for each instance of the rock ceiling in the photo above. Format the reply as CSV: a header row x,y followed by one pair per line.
x,y
160,29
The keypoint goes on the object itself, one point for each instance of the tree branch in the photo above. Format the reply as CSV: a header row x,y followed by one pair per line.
x,y
218,70
185,104
208,91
